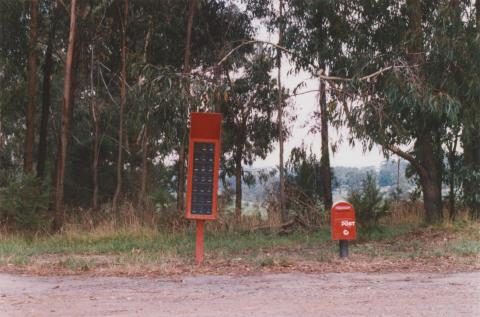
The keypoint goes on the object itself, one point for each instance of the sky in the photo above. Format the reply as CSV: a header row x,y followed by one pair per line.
x,y
304,106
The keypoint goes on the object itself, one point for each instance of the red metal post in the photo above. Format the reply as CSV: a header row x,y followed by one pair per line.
x,y
199,242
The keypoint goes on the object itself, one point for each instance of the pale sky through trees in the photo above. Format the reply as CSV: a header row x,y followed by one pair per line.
x,y
303,106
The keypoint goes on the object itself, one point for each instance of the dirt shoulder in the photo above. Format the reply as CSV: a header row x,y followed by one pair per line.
x,y
291,294
357,263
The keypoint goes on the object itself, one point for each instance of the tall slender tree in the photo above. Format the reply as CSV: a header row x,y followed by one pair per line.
x,y
46,94
316,32
325,170
65,121
123,101
470,137
142,195
182,149
249,129
96,133
32,88
280,106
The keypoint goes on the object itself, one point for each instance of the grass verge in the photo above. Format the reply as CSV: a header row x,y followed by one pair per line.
x,y
143,250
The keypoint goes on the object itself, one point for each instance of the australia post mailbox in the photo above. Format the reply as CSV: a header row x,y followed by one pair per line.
x,y
343,225
202,177
343,222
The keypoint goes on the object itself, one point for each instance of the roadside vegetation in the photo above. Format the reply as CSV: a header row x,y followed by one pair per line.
x,y
95,105
394,245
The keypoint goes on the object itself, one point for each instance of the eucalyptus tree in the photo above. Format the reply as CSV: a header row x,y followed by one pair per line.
x,y
315,33
52,17
123,100
470,113
13,84
280,106
65,121
32,88
416,52
249,127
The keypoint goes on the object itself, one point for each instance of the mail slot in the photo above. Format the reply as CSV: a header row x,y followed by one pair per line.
x,y
203,165
343,222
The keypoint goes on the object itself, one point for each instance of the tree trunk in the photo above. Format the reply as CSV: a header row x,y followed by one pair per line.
x,y
46,100
451,156
430,173
142,195
32,89
181,178
96,154
415,48
280,102
238,186
188,39
451,182
65,122
142,201
2,137
182,150
123,100
325,170
398,177
428,149
432,198
96,136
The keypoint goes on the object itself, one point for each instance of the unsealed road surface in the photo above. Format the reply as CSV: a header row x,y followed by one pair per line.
x,y
293,294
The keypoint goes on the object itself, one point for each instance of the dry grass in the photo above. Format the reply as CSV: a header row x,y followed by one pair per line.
x,y
163,243
404,212
140,250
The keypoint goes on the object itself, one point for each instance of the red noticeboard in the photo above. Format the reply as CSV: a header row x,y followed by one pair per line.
x,y
343,222
203,165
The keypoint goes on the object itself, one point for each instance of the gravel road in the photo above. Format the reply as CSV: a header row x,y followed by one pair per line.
x,y
292,294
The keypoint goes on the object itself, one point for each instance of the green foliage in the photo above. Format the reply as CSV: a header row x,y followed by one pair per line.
x,y
249,126
370,206
472,176
303,172
24,204
406,107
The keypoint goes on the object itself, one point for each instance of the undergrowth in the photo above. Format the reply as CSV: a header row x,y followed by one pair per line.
x,y
83,251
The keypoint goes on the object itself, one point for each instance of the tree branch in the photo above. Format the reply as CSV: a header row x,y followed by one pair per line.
x,y
252,42
320,72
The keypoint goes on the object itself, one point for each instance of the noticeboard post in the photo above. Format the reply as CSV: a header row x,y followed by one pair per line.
x,y
202,177
344,226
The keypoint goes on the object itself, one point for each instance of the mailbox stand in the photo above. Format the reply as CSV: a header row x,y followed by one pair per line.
x,y
202,180
343,226
343,246
199,243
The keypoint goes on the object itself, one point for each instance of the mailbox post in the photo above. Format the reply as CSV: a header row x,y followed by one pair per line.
x,y
343,225
202,177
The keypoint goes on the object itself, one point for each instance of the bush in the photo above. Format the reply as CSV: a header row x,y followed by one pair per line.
x,y
370,205
24,204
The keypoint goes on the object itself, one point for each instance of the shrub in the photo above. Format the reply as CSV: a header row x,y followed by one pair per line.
x,y
370,205
24,204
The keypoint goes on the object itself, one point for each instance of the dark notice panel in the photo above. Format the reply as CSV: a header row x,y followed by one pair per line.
x,y
202,178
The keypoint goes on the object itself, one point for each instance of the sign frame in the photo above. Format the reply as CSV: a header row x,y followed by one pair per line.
x,y
205,128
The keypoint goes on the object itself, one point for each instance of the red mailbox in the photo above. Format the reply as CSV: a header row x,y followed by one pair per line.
x,y
343,222
203,165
